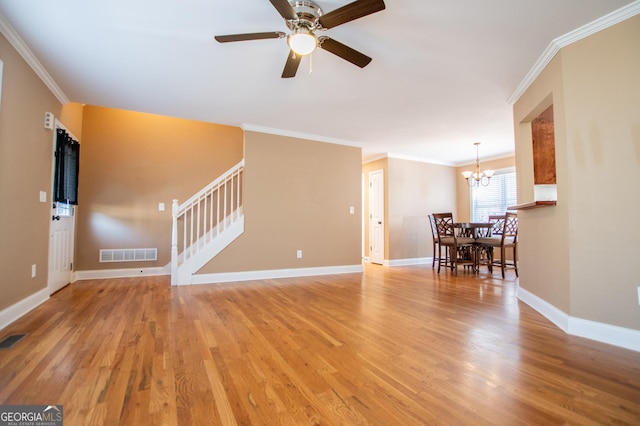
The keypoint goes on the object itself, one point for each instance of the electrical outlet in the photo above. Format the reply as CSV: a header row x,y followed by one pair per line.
x,y
33,270
160,207
299,254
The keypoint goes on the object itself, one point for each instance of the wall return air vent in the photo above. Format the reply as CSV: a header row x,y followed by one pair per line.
x,y
128,255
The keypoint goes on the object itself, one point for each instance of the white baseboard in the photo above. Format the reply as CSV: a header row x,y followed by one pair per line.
x,y
409,262
601,332
122,273
272,274
403,262
553,314
17,310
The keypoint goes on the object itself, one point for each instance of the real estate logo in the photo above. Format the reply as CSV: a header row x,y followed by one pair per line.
x,y
31,415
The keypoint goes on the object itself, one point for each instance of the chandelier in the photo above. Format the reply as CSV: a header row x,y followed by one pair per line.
x,y
478,178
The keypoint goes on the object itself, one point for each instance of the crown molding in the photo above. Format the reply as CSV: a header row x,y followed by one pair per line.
x,y
370,158
485,159
591,28
366,159
376,157
281,132
16,41
419,159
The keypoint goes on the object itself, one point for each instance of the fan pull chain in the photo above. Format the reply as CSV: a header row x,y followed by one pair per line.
x,y
310,63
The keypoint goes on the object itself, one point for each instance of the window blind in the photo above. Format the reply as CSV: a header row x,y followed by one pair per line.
x,y
494,198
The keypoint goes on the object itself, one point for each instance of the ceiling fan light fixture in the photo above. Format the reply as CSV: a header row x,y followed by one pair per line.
x,y
302,41
303,18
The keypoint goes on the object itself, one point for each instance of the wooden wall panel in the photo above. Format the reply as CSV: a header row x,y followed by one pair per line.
x,y
544,148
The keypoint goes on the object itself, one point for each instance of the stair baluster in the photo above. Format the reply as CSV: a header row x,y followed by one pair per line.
x,y
201,233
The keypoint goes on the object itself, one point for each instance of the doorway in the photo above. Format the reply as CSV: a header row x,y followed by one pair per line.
x,y
376,217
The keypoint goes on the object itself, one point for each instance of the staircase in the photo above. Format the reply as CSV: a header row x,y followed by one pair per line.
x,y
205,224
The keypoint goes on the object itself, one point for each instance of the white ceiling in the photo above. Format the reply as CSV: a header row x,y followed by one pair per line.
x,y
440,80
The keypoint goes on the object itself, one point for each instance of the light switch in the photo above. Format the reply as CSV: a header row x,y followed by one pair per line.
x,y
352,210
43,197
160,207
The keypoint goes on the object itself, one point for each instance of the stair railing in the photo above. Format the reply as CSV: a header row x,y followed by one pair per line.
x,y
204,216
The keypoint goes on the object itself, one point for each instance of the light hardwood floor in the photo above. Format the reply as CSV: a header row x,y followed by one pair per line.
x,y
392,346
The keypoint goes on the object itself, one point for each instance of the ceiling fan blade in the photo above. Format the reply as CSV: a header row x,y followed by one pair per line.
x,y
350,12
284,9
344,51
249,36
291,67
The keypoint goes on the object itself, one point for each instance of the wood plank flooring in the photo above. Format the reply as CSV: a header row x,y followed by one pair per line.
x,y
392,346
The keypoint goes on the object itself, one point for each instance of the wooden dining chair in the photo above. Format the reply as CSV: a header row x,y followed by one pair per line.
x,y
437,257
497,227
458,248
491,238
503,238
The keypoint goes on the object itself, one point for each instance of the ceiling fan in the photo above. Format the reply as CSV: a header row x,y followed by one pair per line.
x,y
303,18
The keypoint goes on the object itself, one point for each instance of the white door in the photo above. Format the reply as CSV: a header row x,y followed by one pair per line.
x,y
376,217
61,246
61,235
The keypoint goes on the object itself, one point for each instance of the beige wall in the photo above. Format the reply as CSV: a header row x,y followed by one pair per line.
x,y
26,150
603,160
417,189
463,190
71,116
130,162
297,197
412,191
543,265
579,255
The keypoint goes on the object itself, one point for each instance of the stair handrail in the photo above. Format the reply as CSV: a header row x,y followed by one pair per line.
x,y
231,172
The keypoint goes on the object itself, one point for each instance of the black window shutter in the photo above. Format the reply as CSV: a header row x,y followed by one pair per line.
x,y
67,168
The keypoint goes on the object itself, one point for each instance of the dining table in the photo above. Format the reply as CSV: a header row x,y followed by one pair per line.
x,y
474,230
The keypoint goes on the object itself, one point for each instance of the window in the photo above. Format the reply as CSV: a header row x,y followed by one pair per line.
x,y
67,162
64,209
494,198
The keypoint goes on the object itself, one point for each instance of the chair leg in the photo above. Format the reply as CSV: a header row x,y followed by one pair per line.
x,y
490,259
503,260
454,263
439,257
433,261
515,259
